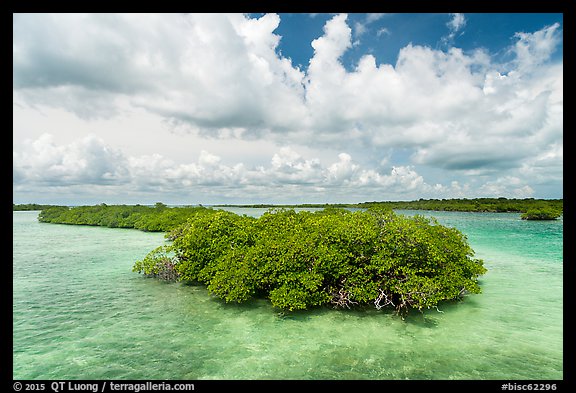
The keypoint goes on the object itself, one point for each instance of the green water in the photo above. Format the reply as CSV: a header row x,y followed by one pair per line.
x,y
80,313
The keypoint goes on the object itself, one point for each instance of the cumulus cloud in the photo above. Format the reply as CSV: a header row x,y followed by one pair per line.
x,y
218,72
220,75
212,70
87,161
91,162
507,185
288,166
101,170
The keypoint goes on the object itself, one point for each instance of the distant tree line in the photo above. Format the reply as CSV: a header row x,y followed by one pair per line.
x,y
29,207
534,209
148,217
492,205
157,218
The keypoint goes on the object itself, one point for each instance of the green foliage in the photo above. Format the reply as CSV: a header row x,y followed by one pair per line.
x,y
541,213
331,257
30,206
299,260
158,263
159,218
495,205
203,240
53,213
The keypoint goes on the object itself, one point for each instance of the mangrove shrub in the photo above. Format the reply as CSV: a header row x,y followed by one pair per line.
x,y
337,257
157,218
541,213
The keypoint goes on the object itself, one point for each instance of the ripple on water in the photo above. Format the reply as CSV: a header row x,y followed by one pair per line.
x,y
80,313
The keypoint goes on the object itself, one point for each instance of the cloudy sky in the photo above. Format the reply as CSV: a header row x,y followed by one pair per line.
x,y
286,108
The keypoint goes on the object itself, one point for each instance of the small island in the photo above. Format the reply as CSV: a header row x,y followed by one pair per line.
x,y
332,257
541,214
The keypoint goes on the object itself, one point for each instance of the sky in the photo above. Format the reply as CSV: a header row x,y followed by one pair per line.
x,y
286,108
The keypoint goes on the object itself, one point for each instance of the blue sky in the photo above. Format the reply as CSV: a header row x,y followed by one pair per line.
x,y
286,108
384,35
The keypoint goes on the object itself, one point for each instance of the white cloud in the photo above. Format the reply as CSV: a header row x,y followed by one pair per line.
x,y
87,161
343,170
90,161
362,26
457,22
508,186
359,29
332,45
213,70
220,76
290,167
384,31
374,16
533,49
89,167
455,25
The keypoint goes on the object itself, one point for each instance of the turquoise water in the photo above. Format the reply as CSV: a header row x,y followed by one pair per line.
x,y
79,312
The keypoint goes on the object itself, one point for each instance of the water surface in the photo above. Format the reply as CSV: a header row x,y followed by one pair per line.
x,y
79,312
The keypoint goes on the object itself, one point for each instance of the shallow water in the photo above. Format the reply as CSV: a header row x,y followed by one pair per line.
x,y
79,312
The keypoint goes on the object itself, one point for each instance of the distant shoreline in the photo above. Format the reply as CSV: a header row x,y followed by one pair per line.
x,y
487,205
494,205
